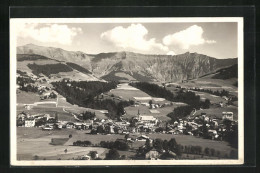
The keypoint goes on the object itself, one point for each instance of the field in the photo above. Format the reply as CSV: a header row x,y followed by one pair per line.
x,y
34,141
27,97
213,98
128,92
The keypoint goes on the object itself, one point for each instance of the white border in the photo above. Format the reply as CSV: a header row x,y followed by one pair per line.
x,y
14,23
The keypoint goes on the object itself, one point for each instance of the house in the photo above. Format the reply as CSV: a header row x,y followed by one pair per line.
x,y
227,115
152,154
146,118
142,138
85,157
47,127
29,123
28,107
70,125
225,97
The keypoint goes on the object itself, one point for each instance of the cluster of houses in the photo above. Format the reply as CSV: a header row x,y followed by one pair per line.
x,y
139,124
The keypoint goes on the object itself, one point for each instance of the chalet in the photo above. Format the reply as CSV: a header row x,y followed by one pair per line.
x,y
146,118
227,115
152,154
29,123
70,125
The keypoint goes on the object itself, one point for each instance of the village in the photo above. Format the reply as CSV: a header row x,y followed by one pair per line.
x,y
138,129
135,129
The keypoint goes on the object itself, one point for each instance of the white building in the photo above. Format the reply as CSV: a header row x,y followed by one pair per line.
x,y
227,115
29,123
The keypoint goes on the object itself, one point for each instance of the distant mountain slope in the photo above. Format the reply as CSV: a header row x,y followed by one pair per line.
x,y
56,54
163,68
40,65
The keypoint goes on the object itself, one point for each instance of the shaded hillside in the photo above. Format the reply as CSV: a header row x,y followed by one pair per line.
x,y
49,69
78,67
29,57
163,68
122,75
227,73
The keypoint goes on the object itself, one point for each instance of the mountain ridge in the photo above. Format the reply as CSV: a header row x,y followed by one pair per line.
x,y
162,68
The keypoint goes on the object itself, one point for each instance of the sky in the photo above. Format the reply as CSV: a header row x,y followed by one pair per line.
x,y
214,39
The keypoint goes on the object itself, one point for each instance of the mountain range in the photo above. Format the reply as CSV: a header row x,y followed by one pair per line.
x,y
133,66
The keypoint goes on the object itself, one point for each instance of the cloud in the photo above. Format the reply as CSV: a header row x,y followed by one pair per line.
x,y
133,38
171,53
50,33
186,38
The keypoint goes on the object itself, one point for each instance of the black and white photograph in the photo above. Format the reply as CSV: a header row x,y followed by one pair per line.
x,y
126,91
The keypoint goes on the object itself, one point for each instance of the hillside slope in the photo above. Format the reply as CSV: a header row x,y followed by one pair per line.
x,y
56,70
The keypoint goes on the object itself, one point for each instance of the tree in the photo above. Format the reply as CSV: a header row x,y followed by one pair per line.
x,y
172,144
112,155
165,145
206,151
206,104
148,144
227,124
36,157
100,129
218,153
88,115
212,151
121,145
158,144
199,148
159,129
174,147
56,117
126,136
93,154
150,102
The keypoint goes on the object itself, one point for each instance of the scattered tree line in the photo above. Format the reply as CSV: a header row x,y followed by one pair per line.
x,y
86,94
88,115
26,84
231,134
118,144
188,97
217,92
180,112
82,143
29,57
22,73
160,145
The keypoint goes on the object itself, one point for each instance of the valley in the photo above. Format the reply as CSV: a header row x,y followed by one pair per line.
x,y
127,98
